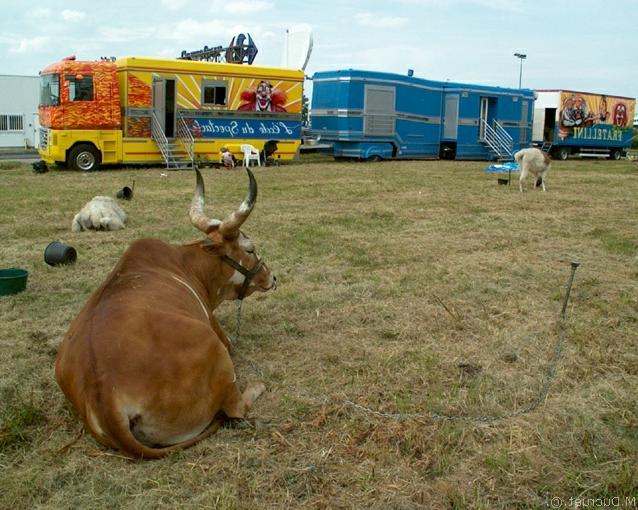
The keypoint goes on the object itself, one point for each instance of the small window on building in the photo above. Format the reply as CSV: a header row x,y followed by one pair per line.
x,y
80,88
214,92
11,123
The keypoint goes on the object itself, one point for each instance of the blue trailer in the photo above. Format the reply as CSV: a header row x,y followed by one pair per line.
x,y
374,115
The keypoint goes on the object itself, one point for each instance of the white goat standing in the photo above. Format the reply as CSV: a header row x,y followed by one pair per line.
x,y
100,213
533,161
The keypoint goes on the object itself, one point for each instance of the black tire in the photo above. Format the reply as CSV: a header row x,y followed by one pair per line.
x,y
84,158
562,153
374,159
447,151
615,154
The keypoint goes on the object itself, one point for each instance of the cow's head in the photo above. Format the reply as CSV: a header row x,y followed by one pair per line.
x,y
236,250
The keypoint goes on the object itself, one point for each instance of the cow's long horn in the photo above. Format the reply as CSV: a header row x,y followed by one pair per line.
x,y
197,215
230,226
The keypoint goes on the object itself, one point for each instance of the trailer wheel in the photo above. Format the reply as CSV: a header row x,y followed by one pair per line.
x,y
84,158
615,154
563,153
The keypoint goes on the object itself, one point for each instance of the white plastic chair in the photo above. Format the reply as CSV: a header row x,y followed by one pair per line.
x,y
250,154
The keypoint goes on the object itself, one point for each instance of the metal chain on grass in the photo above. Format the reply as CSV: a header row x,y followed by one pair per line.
x,y
236,338
550,376
238,321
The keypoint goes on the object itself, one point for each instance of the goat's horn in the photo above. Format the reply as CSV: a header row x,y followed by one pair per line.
x,y
230,226
197,215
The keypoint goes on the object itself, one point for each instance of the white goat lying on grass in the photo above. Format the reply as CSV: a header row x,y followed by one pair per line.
x,y
533,161
100,213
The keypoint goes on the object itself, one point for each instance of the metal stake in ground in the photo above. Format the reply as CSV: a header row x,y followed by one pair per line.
x,y
569,288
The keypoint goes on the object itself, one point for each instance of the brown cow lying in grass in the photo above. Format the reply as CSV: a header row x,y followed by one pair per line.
x,y
145,363
535,162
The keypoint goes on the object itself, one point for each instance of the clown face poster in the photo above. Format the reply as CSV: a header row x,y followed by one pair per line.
x,y
595,117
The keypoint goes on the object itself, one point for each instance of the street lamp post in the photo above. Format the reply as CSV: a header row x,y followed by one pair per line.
x,y
522,57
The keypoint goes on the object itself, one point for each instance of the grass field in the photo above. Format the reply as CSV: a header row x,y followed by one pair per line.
x,y
412,289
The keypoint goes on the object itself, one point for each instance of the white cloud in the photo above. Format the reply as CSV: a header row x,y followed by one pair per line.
x,y
174,5
39,12
28,46
500,5
68,15
186,32
189,30
368,19
241,7
122,35
167,53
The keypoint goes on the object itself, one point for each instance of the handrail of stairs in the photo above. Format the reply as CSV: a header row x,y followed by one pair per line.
x,y
499,140
506,139
185,136
157,133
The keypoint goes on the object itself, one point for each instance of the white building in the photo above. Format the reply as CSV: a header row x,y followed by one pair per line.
x,y
19,97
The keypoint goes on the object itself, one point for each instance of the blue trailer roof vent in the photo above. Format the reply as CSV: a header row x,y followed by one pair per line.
x,y
410,72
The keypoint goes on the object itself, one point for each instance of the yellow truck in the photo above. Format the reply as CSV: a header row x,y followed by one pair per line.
x,y
138,110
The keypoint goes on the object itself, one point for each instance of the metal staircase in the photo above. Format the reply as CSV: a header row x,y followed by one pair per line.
x,y
178,153
185,137
546,147
498,140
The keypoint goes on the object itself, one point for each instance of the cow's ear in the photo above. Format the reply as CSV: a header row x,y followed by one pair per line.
x,y
213,247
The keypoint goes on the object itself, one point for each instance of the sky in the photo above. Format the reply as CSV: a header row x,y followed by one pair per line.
x,y
584,45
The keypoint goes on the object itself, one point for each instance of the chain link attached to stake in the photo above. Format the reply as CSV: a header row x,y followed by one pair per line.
x,y
235,340
238,323
550,376
549,379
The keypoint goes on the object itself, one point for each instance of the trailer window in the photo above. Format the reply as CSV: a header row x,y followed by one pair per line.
x,y
214,92
80,88
50,90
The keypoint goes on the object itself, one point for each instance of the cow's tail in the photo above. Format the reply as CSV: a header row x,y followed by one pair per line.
x,y
119,428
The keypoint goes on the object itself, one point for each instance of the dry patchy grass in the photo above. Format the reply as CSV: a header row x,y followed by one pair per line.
x,y
409,288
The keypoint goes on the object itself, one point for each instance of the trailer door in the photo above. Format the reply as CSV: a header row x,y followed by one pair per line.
x,y
379,110
159,101
451,119
164,104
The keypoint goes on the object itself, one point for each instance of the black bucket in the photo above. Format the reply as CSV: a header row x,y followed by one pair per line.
x,y
125,193
57,253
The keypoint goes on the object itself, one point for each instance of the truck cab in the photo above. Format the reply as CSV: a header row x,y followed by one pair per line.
x,y
79,113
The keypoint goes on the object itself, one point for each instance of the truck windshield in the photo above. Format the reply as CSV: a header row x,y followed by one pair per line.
x,y
50,90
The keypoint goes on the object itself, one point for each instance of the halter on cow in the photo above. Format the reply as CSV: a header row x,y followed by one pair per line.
x,y
145,363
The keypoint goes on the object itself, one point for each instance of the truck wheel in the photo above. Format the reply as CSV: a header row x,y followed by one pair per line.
x,y
615,154
563,153
84,158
